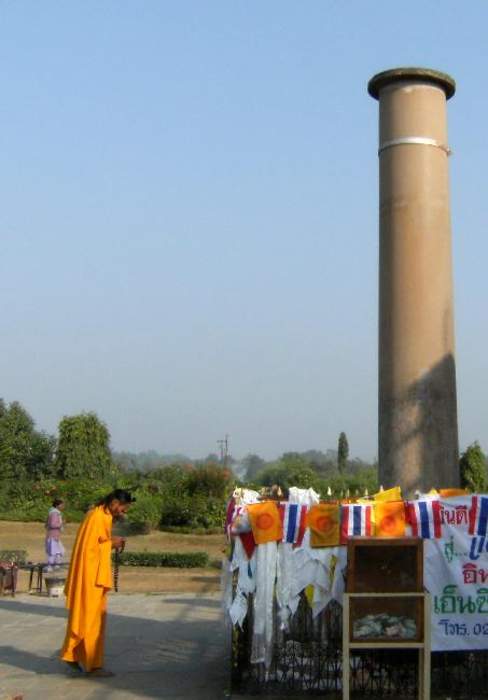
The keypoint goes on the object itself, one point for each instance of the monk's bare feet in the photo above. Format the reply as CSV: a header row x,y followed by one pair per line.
x,y
74,667
101,673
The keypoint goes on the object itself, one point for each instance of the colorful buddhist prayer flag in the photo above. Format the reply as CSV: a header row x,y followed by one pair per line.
x,y
389,519
356,521
424,517
293,517
323,521
265,522
247,539
478,516
452,493
302,528
394,494
240,521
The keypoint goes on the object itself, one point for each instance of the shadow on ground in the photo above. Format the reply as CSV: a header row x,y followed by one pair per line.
x,y
162,647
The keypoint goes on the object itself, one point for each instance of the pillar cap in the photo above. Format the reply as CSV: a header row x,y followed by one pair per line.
x,y
425,75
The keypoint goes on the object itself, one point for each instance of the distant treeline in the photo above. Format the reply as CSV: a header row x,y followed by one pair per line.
x,y
172,491
148,460
312,468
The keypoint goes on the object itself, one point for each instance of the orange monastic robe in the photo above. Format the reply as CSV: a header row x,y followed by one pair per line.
x,y
89,580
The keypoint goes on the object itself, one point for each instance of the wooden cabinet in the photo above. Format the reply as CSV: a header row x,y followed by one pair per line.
x,y
383,565
385,606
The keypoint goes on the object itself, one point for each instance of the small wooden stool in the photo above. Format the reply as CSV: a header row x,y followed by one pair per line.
x,y
8,578
37,571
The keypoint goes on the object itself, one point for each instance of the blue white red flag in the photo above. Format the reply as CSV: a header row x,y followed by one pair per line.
x,y
478,516
424,517
293,517
356,521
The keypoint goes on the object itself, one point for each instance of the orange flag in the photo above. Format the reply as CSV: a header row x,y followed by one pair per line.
x,y
265,522
451,493
389,519
323,521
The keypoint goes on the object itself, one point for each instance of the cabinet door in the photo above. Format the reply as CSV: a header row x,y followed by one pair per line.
x,y
385,566
383,619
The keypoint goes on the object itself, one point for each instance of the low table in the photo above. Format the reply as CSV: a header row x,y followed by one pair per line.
x,y
38,571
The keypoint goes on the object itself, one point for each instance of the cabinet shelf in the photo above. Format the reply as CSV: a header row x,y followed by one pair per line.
x,y
400,618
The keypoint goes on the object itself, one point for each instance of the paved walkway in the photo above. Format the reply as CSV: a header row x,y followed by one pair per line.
x,y
171,647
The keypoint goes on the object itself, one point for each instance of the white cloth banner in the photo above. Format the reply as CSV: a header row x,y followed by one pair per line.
x,y
262,634
456,576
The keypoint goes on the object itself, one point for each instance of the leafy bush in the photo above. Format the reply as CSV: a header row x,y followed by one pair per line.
x,y
18,556
171,497
176,510
79,495
210,480
29,501
367,478
473,469
171,479
25,500
188,560
287,475
145,514
182,510
210,513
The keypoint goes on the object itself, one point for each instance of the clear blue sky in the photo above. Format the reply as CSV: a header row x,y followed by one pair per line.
x,y
189,215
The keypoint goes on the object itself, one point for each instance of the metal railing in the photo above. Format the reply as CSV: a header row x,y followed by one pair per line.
x,y
307,660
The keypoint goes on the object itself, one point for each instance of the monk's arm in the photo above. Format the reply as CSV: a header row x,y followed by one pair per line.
x,y
115,542
104,545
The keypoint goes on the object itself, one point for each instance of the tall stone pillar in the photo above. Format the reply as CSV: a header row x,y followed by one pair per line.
x,y
418,434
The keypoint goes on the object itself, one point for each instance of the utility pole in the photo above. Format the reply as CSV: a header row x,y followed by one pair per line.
x,y
224,450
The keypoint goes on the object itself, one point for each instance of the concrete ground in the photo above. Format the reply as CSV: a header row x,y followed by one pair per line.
x,y
159,646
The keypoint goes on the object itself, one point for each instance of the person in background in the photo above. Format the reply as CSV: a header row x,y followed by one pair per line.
x,y
89,580
54,527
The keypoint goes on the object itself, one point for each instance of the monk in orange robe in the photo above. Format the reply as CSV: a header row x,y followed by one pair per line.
x,y
89,580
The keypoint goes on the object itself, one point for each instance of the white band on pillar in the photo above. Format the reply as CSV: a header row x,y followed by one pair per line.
x,y
414,140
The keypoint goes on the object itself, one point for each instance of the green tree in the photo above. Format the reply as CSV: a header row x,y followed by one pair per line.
x,y
212,458
25,453
472,466
292,469
42,451
252,464
209,480
83,448
342,453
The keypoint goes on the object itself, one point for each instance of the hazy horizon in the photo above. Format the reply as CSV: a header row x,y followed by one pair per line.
x,y
189,230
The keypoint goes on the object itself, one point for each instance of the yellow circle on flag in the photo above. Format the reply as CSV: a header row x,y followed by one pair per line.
x,y
388,524
264,521
324,523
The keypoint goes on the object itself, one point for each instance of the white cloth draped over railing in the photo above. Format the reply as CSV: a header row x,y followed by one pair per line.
x,y
284,571
455,531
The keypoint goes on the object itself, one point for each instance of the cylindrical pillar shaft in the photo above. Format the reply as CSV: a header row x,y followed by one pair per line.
x,y
418,435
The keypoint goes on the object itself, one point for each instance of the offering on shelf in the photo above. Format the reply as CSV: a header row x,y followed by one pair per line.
x,y
384,625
